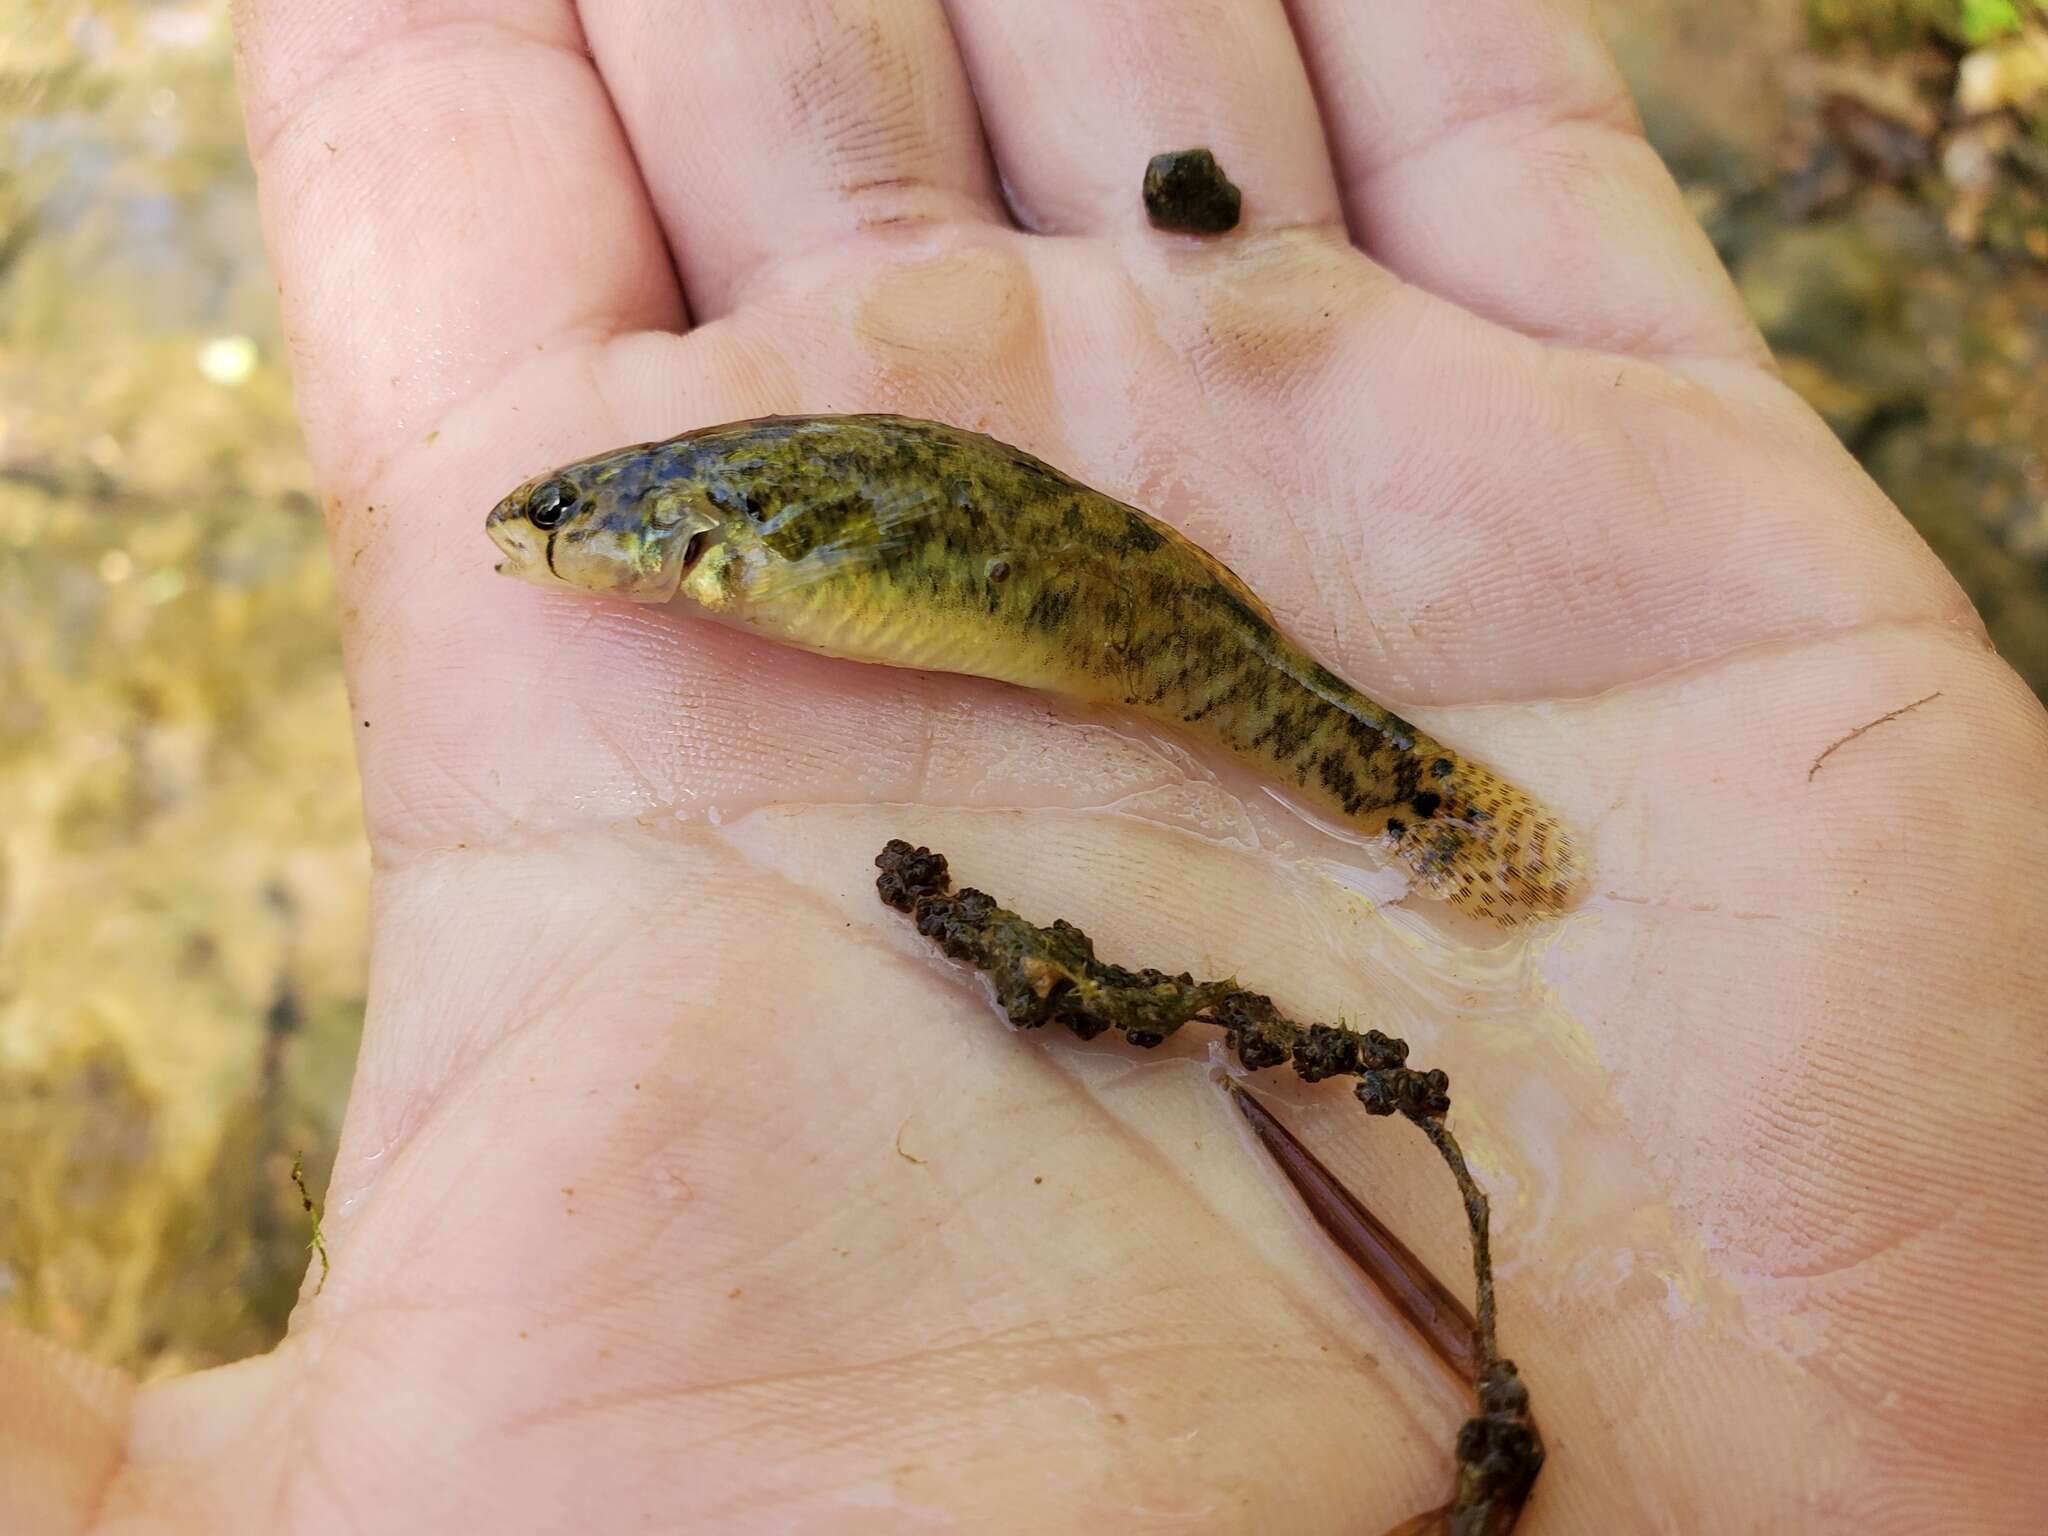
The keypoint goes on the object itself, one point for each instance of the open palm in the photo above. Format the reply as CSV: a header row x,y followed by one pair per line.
x,y
678,1191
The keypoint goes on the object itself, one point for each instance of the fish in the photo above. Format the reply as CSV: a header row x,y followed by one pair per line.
x,y
911,543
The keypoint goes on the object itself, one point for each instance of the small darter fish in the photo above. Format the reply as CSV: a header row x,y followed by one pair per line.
x,y
915,544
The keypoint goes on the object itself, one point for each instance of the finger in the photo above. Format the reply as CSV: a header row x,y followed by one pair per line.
x,y
766,130
444,191
1489,152
1079,94
63,1423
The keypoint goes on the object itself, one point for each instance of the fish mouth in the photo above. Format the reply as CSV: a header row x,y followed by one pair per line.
x,y
519,542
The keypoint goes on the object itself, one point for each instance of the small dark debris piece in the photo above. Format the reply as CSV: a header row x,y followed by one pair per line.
x,y
1499,1452
1187,192
908,873
1326,1052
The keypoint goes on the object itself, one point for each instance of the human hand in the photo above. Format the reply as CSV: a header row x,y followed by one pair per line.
x,y
678,1192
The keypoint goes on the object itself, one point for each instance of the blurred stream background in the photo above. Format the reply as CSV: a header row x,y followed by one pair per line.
x,y
183,882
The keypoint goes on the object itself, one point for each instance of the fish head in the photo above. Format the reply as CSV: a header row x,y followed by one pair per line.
x,y
604,525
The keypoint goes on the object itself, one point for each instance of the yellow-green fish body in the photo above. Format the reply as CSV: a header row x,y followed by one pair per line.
x,y
915,544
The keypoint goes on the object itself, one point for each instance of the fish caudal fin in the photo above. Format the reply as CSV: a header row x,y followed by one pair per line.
x,y
1487,848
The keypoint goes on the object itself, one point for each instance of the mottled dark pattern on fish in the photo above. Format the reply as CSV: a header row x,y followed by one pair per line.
x,y
911,543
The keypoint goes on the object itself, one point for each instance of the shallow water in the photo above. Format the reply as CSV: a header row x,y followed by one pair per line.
x,y
182,876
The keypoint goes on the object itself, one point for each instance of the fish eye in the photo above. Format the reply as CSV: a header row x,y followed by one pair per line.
x,y
550,502
694,550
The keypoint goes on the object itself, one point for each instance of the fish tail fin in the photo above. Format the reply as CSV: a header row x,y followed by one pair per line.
x,y
1485,847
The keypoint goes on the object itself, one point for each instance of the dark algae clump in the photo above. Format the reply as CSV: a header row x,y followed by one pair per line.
x,y
1187,192
1052,975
